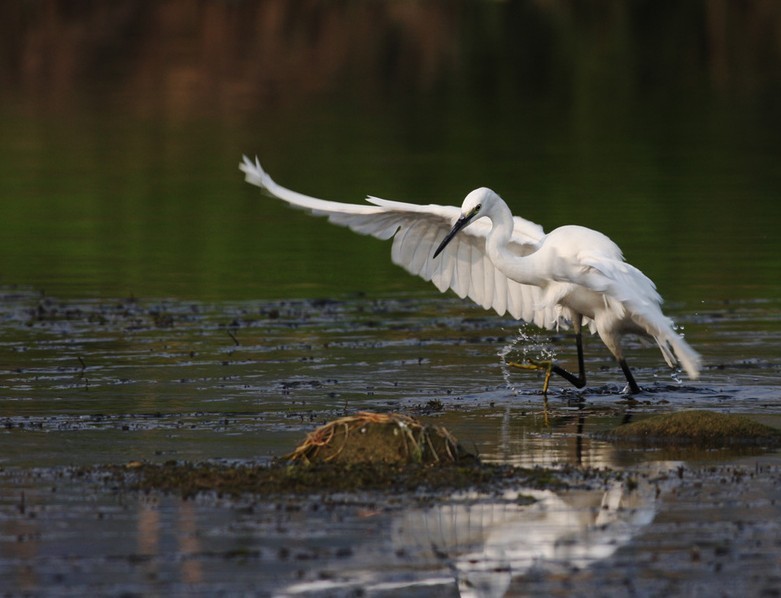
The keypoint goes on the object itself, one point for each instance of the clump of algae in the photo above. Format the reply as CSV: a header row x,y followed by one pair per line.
x,y
700,428
379,438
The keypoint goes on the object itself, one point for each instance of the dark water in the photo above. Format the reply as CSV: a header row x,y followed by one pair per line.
x,y
154,307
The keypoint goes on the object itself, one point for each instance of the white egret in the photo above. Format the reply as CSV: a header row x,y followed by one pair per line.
x,y
571,276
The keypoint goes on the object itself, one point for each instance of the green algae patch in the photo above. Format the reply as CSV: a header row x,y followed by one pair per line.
x,y
705,429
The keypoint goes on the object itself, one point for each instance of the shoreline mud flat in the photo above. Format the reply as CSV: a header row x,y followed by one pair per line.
x,y
469,528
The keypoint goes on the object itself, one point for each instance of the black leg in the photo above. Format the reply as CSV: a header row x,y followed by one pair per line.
x,y
578,381
633,387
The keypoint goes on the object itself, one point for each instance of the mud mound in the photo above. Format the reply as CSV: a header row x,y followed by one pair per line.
x,y
704,429
382,439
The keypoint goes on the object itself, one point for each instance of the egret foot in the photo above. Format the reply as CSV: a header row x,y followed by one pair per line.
x,y
578,381
533,364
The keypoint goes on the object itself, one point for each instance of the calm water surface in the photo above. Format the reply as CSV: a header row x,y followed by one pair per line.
x,y
154,307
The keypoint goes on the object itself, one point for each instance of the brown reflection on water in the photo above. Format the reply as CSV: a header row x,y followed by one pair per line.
x,y
149,531
26,530
184,59
189,543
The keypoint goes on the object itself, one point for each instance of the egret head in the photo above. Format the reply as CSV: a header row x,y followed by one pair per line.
x,y
477,203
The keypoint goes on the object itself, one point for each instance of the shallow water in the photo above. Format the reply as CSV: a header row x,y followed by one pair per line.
x,y
114,381
155,307
249,376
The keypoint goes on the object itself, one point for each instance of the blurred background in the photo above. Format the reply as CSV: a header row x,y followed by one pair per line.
x,y
122,124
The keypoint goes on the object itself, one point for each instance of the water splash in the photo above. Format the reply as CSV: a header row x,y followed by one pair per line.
x,y
524,346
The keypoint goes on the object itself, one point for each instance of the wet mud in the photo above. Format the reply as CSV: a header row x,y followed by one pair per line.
x,y
278,480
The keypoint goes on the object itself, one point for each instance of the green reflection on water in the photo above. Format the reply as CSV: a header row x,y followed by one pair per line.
x,y
118,176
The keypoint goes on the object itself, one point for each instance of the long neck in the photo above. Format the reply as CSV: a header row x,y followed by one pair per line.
x,y
523,269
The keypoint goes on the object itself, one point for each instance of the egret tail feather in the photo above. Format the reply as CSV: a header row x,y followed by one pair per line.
x,y
675,350
688,358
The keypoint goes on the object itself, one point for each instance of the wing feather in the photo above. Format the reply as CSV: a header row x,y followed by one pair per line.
x,y
500,292
416,230
425,237
463,268
476,278
515,299
488,288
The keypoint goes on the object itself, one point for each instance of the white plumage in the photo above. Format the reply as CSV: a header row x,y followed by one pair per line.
x,y
572,275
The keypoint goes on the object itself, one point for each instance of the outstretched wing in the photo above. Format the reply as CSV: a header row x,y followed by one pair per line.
x,y
463,266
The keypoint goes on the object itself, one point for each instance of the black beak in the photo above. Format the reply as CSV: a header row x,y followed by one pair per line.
x,y
460,223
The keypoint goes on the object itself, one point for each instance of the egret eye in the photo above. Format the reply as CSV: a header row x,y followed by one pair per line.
x,y
478,207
